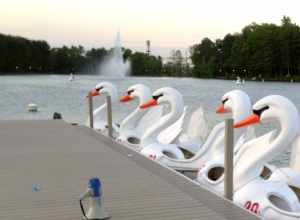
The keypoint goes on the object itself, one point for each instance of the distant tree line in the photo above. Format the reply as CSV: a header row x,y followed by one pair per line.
x,y
260,51
21,55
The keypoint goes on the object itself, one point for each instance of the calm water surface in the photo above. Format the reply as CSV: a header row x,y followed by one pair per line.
x,y
54,93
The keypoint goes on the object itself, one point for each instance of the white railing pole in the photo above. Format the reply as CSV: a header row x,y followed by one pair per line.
x,y
91,109
109,116
228,160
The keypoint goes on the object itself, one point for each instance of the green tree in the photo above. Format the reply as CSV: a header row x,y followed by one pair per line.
x,y
203,58
144,65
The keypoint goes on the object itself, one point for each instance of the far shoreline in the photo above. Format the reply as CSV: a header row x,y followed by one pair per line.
x,y
142,76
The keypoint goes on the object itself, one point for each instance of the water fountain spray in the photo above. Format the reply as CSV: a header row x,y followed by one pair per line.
x,y
114,64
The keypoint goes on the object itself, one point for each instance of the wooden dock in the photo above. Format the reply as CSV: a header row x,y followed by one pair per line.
x,y
45,166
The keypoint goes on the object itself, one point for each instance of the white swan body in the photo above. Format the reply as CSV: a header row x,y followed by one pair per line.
x,y
100,114
295,155
152,148
191,136
136,123
236,102
268,199
170,134
291,174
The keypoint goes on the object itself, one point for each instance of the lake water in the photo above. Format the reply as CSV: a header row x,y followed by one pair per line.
x,y
54,93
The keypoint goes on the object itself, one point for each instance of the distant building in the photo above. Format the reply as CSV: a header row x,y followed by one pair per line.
x,y
176,57
148,44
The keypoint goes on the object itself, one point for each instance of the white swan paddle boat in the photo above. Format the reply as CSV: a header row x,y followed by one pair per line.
x,y
151,147
134,125
239,105
100,114
270,200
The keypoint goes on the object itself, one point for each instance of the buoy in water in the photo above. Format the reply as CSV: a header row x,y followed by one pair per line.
x,y
57,115
71,77
32,107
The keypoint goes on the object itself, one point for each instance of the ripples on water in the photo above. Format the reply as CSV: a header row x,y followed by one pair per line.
x,y
54,93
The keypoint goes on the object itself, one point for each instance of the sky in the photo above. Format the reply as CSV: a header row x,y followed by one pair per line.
x,y
168,24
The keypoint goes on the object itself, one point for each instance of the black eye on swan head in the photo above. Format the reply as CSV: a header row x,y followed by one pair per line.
x,y
130,91
99,88
156,97
261,110
224,101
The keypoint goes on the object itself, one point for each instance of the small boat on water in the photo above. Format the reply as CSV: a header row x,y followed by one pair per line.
x,y
239,81
32,107
71,77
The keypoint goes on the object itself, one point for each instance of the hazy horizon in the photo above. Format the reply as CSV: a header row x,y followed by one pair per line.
x,y
167,24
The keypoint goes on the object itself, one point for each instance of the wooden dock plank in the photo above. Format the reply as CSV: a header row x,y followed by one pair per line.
x,y
60,159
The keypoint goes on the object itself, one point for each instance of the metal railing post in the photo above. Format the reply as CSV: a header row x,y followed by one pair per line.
x,y
91,109
228,160
109,116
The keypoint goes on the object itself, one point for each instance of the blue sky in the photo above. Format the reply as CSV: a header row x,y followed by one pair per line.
x,y
167,23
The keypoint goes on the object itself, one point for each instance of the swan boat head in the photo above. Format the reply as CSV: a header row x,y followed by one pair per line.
x,y
129,132
237,103
152,148
105,88
100,115
169,96
140,91
273,108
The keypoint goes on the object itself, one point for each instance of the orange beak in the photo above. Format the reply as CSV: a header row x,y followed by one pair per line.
x,y
148,104
252,119
126,98
221,109
94,92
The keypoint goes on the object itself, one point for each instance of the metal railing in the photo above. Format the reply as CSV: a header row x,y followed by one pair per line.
x,y
91,109
109,114
228,159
